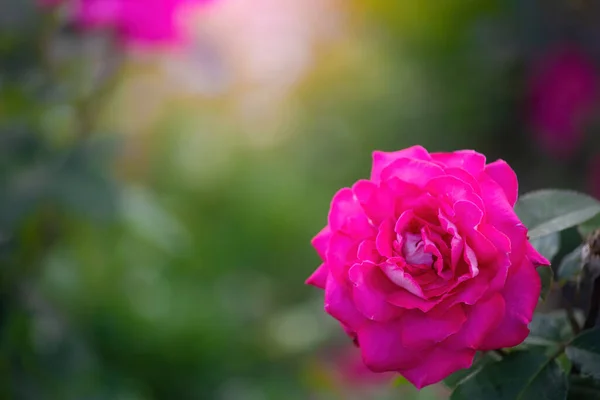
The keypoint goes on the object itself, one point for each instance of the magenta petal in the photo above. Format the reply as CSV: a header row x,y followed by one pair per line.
x,y
367,251
382,159
407,300
437,365
424,330
319,277
469,160
535,257
400,277
453,189
504,175
347,215
321,241
482,318
501,215
376,201
341,254
338,304
416,172
385,237
521,293
370,291
382,350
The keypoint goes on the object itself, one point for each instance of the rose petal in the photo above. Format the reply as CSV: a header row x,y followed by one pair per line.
x,y
347,215
437,365
398,276
504,175
469,160
367,251
407,300
521,293
341,254
319,277
382,351
416,172
339,304
424,330
382,159
453,189
500,214
385,238
535,257
376,201
482,318
370,291
321,241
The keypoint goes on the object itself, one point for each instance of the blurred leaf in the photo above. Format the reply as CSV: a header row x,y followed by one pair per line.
x,y
520,375
553,210
583,388
481,359
589,226
547,277
149,219
571,265
553,326
584,351
547,245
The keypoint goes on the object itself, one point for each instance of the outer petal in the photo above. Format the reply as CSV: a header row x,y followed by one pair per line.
x,y
319,277
370,291
482,318
422,330
535,257
382,350
321,241
521,293
382,159
376,200
504,175
346,215
416,172
437,365
341,254
469,160
338,304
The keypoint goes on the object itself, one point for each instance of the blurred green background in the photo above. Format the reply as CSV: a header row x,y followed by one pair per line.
x,y
155,228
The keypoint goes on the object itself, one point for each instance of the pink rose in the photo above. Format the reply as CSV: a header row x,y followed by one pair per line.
x,y
563,90
426,262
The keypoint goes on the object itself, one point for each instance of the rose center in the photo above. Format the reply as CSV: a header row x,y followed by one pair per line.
x,y
414,250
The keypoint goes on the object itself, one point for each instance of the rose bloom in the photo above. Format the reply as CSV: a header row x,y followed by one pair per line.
x,y
563,91
426,262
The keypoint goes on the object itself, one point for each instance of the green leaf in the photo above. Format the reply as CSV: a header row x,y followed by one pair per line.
x,y
521,375
547,245
589,226
552,327
481,359
571,265
584,351
583,388
547,277
553,210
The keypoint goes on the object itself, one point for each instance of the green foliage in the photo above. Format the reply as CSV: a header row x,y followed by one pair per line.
x,y
552,210
548,245
571,266
584,351
529,374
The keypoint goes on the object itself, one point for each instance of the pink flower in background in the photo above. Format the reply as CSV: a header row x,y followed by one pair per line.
x,y
426,262
563,89
138,22
135,22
